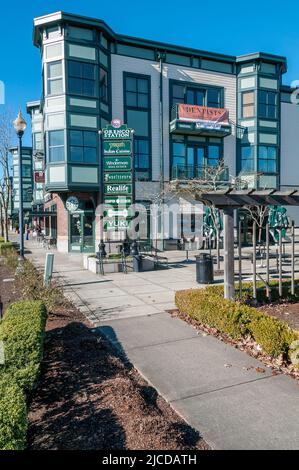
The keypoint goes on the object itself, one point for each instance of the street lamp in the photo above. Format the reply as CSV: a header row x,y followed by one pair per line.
x,y
20,127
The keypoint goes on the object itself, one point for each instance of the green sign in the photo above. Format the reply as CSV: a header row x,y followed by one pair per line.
x,y
121,147
118,200
122,132
117,163
118,188
117,224
117,212
118,177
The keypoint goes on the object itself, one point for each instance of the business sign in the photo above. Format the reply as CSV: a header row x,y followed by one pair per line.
x,y
39,176
118,177
117,144
72,203
188,112
122,201
120,133
114,147
118,188
117,163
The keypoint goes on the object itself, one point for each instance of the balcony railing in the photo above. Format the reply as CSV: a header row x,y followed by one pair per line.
x,y
204,173
199,120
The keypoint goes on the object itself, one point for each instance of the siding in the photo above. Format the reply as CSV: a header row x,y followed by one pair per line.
x,y
120,64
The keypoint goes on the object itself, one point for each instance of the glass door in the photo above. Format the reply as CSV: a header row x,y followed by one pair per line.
x,y
88,232
195,160
75,231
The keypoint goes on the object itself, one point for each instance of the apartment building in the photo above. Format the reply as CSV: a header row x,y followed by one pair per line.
x,y
189,109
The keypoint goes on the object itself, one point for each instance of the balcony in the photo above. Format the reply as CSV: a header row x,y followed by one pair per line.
x,y
199,120
203,173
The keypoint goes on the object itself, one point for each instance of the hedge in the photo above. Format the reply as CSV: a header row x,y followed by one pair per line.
x,y
22,331
13,415
5,247
235,319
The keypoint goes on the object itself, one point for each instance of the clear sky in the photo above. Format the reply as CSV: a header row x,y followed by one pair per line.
x,y
227,26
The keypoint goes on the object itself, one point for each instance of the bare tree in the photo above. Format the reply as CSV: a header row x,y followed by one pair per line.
x,y
6,140
258,215
210,178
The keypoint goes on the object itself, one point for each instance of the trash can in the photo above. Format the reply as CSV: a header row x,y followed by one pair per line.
x,y
204,268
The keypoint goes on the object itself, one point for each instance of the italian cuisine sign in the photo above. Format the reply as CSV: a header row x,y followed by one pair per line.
x,y
117,141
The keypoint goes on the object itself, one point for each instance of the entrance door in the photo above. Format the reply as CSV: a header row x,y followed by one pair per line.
x,y
82,231
195,160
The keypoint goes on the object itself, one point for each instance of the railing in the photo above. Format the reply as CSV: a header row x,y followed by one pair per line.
x,y
200,172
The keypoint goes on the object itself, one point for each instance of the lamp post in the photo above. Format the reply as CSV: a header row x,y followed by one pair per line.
x,y
20,127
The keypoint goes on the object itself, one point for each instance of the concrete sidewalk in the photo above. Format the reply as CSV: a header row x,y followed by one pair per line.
x,y
213,386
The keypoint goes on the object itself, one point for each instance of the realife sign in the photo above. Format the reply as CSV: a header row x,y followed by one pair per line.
x,y
189,112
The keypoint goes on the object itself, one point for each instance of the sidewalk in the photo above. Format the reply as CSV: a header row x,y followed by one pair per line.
x,y
233,407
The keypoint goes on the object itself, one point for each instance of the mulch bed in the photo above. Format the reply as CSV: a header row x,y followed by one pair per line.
x,y
90,398
278,365
8,290
288,312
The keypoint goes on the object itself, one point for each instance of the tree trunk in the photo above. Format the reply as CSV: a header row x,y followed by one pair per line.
x,y
5,223
1,221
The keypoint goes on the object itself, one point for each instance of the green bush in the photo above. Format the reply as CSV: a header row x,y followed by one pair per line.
x,y
2,240
22,331
5,247
235,319
13,415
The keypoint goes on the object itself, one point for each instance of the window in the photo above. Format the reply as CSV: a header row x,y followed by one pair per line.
x,y
247,162
141,159
55,85
267,159
137,92
56,146
103,85
268,104
201,96
137,116
81,78
178,153
248,104
37,141
213,155
83,146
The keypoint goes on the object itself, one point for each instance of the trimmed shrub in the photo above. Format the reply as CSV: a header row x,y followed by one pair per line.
x,y
235,319
22,331
5,247
13,415
2,240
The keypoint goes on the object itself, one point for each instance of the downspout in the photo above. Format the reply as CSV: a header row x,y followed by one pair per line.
x,y
160,58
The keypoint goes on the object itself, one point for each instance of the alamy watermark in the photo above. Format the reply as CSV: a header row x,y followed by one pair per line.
x,y
2,354
2,92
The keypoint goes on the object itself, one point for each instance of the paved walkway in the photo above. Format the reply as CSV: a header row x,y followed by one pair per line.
x,y
233,407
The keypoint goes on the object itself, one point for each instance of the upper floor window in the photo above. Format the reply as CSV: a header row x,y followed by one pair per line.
x,y
55,78
267,159
103,85
37,141
137,92
247,161
56,146
267,104
141,159
83,146
201,96
81,78
248,104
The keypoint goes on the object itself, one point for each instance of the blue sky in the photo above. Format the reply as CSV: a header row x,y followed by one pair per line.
x,y
229,27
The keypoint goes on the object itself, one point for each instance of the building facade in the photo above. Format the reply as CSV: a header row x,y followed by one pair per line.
x,y
92,75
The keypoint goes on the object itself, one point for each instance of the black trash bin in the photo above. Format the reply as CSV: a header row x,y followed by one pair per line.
x,y
204,268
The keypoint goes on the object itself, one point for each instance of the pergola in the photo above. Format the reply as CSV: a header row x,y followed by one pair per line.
x,y
229,199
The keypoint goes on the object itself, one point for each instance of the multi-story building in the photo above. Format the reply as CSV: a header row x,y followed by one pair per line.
x,y
27,184
91,75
